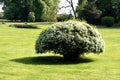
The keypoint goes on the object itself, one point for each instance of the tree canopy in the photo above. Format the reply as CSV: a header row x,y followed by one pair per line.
x,y
44,10
94,10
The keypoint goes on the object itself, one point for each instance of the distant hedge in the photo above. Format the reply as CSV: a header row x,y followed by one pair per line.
x,y
108,21
24,26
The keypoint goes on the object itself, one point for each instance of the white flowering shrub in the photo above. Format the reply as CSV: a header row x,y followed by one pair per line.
x,y
71,39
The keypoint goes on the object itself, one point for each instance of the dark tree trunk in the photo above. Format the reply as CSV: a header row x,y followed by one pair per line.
x,y
72,6
71,56
73,9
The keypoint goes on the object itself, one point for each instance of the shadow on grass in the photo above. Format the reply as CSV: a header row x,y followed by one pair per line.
x,y
28,28
49,60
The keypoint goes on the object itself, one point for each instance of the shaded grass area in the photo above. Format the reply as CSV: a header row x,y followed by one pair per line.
x,y
18,60
50,60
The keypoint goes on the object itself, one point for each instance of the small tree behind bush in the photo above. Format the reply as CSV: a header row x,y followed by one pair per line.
x,y
71,39
108,21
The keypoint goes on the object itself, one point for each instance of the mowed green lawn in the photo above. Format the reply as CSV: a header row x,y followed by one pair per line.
x,y
18,60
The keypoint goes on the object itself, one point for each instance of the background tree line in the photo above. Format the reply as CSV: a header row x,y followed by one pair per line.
x,y
46,10
42,10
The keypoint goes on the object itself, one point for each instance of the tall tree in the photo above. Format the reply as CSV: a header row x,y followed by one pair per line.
x,y
106,6
116,6
11,12
88,10
50,10
80,7
38,6
16,9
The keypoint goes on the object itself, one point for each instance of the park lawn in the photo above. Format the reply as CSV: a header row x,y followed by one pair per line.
x,y
18,60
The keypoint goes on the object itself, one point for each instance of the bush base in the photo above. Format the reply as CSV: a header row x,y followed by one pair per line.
x,y
71,56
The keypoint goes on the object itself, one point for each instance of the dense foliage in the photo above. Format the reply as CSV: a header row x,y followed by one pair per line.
x,y
44,10
108,21
80,7
90,13
94,10
116,6
70,39
106,6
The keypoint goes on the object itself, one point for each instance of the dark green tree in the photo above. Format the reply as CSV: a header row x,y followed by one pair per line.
x,y
89,12
80,7
106,6
116,6
38,9
16,9
11,12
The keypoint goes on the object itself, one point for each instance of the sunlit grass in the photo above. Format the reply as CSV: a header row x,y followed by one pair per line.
x,y
18,60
